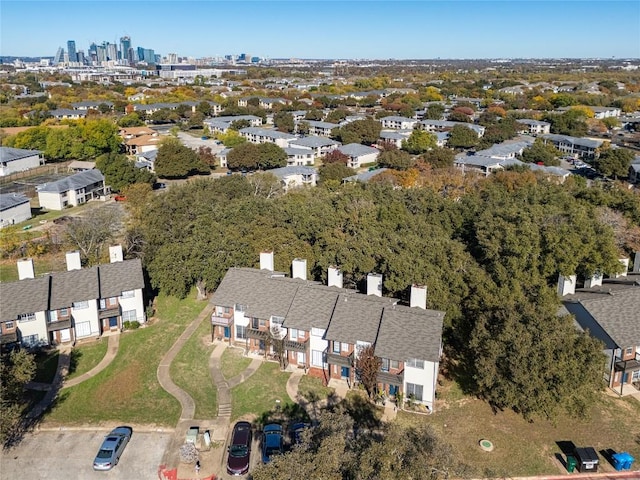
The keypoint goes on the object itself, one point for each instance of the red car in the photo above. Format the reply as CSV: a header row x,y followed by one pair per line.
x,y
239,449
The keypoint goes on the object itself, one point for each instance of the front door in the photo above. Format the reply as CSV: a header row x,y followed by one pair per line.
x,y
301,359
344,373
393,389
227,332
113,322
625,377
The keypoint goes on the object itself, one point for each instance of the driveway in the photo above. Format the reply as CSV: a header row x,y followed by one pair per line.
x,y
197,142
67,455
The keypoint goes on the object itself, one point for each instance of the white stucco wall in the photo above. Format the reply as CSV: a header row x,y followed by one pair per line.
x,y
16,214
426,377
316,343
134,303
38,326
50,200
83,315
19,165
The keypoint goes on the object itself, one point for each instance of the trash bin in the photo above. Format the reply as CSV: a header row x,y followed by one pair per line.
x,y
626,460
617,460
571,463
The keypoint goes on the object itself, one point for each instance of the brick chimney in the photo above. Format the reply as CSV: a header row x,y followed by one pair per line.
x,y
418,296
374,284
566,285
73,261
299,268
25,269
266,260
334,277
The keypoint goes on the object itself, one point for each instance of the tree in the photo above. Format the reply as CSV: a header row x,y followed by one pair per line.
x,y
283,121
457,116
571,122
231,138
541,152
314,114
250,156
360,131
91,234
16,370
439,157
238,125
419,142
120,172
337,115
265,185
367,368
303,127
207,157
435,111
174,160
614,162
335,156
334,172
462,137
396,159
130,120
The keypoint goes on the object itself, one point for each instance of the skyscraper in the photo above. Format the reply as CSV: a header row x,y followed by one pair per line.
x,y
71,49
125,45
112,51
59,56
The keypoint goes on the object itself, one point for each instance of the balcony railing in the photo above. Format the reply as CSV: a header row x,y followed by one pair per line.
x,y
337,359
257,334
629,364
295,346
391,378
58,325
109,311
222,321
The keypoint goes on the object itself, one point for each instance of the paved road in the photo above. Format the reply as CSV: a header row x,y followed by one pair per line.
x,y
68,455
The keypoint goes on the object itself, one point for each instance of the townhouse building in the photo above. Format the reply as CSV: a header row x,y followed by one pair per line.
x,y
299,156
322,129
583,148
263,135
446,125
222,124
73,190
359,154
533,127
320,146
609,309
14,208
64,307
296,176
14,160
323,328
395,122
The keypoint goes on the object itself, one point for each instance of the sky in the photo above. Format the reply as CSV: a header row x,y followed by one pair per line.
x,y
361,29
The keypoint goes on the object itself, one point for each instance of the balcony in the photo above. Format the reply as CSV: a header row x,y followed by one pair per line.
x,y
391,378
8,337
337,359
628,365
294,346
109,311
257,334
221,321
59,325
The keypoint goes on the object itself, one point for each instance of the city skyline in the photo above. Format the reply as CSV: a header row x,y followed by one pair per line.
x,y
330,29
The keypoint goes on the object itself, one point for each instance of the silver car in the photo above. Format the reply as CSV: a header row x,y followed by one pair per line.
x,y
112,448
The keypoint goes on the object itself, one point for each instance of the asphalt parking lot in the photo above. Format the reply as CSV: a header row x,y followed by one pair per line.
x,y
66,455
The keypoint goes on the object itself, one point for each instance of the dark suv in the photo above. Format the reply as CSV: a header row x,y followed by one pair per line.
x,y
239,449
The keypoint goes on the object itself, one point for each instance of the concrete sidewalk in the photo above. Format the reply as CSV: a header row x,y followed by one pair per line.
x,y
112,351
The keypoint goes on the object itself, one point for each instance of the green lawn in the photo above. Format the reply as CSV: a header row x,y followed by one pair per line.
x,y
85,357
527,449
190,371
42,264
258,394
233,362
312,389
127,391
46,366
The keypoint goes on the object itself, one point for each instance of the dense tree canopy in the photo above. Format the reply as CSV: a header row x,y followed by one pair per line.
x,y
419,142
120,172
541,152
462,137
174,160
251,156
360,131
614,162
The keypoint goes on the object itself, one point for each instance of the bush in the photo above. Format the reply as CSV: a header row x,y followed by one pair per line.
x,y
131,325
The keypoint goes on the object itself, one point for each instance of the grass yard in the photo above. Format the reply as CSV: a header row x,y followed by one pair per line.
x,y
127,391
258,394
46,365
86,356
190,371
41,265
313,390
233,362
526,449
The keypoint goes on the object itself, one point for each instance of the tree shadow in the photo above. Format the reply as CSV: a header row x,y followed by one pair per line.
x,y
74,359
289,414
364,413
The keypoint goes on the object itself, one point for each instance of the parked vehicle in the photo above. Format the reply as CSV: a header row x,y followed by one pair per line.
x,y
271,441
239,449
112,447
296,432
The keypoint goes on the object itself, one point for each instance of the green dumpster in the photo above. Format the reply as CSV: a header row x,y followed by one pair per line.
x,y
571,463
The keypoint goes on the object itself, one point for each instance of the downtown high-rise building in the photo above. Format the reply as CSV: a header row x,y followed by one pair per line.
x,y
71,51
125,47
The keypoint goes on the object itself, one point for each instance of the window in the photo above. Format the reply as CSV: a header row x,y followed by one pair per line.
x,y
226,309
317,332
8,325
628,351
240,308
293,333
63,312
415,390
128,294
336,347
415,363
30,340
395,364
635,376
241,332
317,358
385,365
345,347
26,317
262,322
255,323
80,305
129,315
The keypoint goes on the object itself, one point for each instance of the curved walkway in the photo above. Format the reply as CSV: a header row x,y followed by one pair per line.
x,y
112,351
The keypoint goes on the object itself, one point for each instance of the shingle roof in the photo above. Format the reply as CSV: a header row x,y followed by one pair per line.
x,y
118,277
312,308
25,296
618,314
357,150
407,333
74,286
313,142
364,176
267,133
73,182
319,124
292,170
10,200
8,154
357,318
